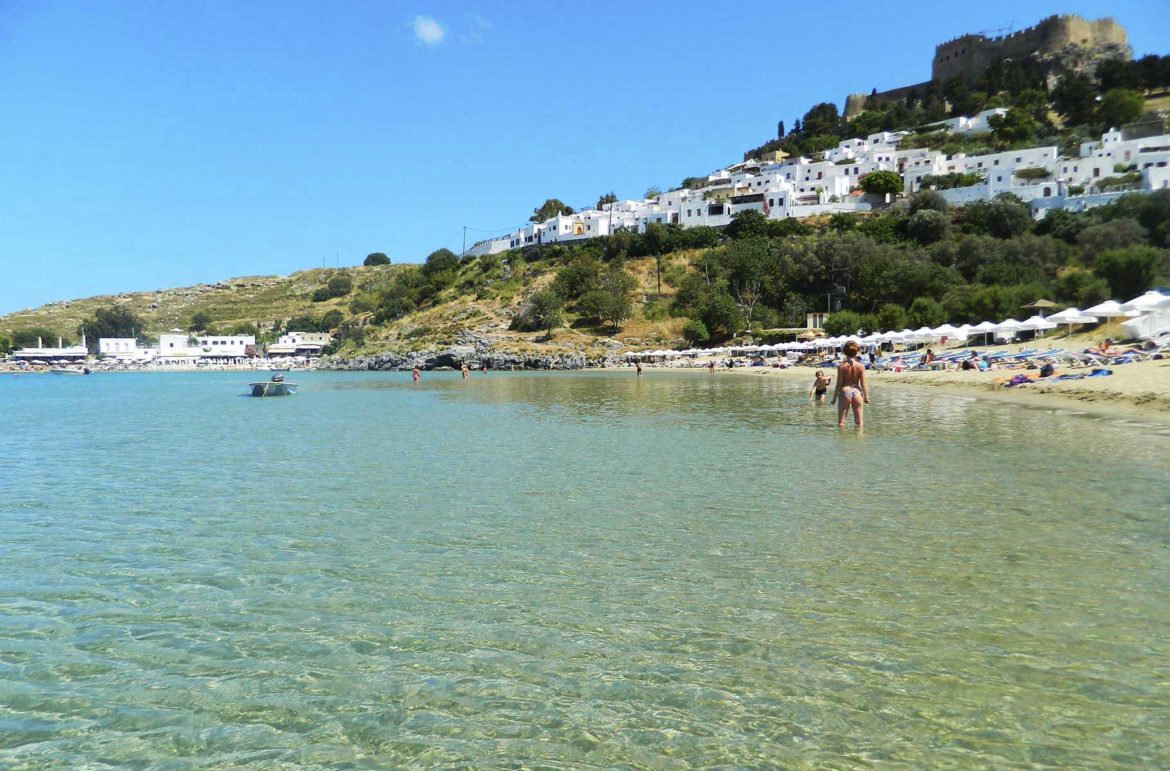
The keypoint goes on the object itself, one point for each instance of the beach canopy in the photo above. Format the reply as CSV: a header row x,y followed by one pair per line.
x,y
1006,329
1039,305
984,326
924,334
1151,300
1110,309
1072,316
946,330
1037,323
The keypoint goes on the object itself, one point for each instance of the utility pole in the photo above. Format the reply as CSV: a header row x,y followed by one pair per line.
x,y
464,252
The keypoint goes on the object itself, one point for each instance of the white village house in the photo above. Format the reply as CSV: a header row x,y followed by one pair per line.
x,y
804,187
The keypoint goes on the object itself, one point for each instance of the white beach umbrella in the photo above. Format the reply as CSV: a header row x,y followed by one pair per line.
x,y
1006,329
1072,316
1110,309
984,328
1036,323
1151,300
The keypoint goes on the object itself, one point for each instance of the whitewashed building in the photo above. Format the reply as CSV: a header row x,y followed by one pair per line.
x,y
225,346
308,344
125,349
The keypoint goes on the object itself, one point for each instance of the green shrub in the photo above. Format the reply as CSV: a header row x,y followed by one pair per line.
x,y
695,332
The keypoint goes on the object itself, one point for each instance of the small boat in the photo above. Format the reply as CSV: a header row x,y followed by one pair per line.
x,y
69,370
274,386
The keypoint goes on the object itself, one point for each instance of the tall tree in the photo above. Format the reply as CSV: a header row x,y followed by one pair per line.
x,y
1120,106
882,182
1013,127
549,209
1075,99
112,321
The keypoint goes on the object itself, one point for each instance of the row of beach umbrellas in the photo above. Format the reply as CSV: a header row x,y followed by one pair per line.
x,y
1003,330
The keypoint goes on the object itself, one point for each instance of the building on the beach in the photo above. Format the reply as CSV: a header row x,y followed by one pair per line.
x,y
48,354
178,344
125,349
307,344
225,346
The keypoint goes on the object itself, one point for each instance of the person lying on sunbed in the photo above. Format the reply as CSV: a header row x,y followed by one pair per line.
x,y
1105,348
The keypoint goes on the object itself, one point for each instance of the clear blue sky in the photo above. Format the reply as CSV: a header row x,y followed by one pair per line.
x,y
146,145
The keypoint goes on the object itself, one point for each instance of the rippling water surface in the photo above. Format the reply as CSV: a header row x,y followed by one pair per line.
x,y
570,571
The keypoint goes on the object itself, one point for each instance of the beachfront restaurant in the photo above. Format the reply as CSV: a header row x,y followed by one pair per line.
x,y
305,344
62,354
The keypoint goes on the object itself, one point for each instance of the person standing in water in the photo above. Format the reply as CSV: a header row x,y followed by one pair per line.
x,y
415,374
851,388
820,387
638,364
464,371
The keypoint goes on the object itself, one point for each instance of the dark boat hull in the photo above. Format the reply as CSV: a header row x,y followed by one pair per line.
x,y
271,388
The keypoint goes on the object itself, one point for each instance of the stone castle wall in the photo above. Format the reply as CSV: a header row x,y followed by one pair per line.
x,y
1058,41
969,55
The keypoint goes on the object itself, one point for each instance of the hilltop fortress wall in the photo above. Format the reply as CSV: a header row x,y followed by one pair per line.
x,y
968,56
1067,40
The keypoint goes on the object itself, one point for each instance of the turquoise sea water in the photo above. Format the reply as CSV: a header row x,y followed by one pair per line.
x,y
573,570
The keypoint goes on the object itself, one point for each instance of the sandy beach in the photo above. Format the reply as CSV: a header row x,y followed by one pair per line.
x,y
1141,388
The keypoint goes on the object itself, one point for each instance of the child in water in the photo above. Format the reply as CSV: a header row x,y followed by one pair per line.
x,y
820,387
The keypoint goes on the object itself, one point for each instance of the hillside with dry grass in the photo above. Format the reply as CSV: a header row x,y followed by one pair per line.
x,y
479,303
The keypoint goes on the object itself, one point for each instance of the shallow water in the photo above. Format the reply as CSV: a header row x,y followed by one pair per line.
x,y
573,570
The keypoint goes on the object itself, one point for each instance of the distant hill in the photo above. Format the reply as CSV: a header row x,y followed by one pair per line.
x,y
481,309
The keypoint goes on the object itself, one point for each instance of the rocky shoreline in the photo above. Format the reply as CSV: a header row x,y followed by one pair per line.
x,y
474,356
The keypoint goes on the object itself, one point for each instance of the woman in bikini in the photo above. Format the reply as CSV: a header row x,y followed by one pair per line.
x,y
851,388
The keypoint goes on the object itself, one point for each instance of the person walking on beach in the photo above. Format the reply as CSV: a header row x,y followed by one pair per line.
x,y
851,387
415,374
820,387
